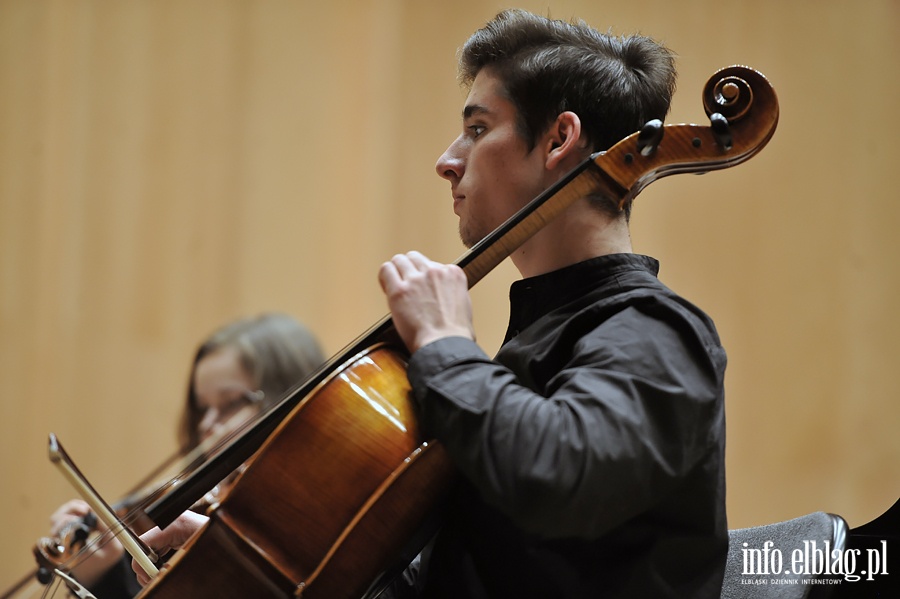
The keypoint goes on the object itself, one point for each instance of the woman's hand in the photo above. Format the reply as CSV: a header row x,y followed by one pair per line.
x,y
102,553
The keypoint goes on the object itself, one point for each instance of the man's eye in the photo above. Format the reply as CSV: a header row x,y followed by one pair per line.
x,y
476,130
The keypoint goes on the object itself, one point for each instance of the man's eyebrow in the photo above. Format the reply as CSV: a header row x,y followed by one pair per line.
x,y
473,109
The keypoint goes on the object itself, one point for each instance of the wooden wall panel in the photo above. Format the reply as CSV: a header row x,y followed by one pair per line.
x,y
168,166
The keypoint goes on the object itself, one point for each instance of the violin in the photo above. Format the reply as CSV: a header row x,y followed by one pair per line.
x,y
77,541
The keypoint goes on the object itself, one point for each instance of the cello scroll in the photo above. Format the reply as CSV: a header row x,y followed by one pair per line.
x,y
743,111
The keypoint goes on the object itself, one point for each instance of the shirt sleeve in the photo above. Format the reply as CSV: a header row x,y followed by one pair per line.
x,y
630,413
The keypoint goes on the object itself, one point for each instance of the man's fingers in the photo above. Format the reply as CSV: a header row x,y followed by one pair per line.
x,y
173,537
411,262
420,261
402,267
387,275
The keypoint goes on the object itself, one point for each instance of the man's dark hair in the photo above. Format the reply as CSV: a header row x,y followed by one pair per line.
x,y
613,84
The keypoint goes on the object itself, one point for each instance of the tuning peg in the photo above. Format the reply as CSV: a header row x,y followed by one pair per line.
x,y
649,137
721,130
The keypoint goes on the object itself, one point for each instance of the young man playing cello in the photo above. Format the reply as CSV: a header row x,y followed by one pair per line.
x,y
591,448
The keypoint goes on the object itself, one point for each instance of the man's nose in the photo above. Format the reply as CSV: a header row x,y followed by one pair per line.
x,y
451,165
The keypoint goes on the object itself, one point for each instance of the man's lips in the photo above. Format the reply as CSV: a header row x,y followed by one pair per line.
x,y
457,200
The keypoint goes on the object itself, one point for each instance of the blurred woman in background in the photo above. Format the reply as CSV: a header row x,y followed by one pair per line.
x,y
238,372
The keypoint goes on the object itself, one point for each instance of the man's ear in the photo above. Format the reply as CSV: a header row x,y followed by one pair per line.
x,y
563,141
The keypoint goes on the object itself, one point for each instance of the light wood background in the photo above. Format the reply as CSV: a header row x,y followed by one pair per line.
x,y
166,166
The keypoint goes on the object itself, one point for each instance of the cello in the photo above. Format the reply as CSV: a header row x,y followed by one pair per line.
x,y
345,478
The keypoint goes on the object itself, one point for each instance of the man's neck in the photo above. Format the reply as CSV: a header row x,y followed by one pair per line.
x,y
576,235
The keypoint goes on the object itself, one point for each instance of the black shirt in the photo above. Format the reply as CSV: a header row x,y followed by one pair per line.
x,y
591,448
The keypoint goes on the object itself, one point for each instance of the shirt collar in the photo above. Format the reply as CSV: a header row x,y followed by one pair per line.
x,y
535,296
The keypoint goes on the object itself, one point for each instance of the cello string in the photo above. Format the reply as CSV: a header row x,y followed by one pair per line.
x,y
200,453
51,589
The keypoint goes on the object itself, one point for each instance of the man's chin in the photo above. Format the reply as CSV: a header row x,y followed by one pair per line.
x,y
466,239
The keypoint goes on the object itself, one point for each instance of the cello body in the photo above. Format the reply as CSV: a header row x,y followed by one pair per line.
x,y
329,502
